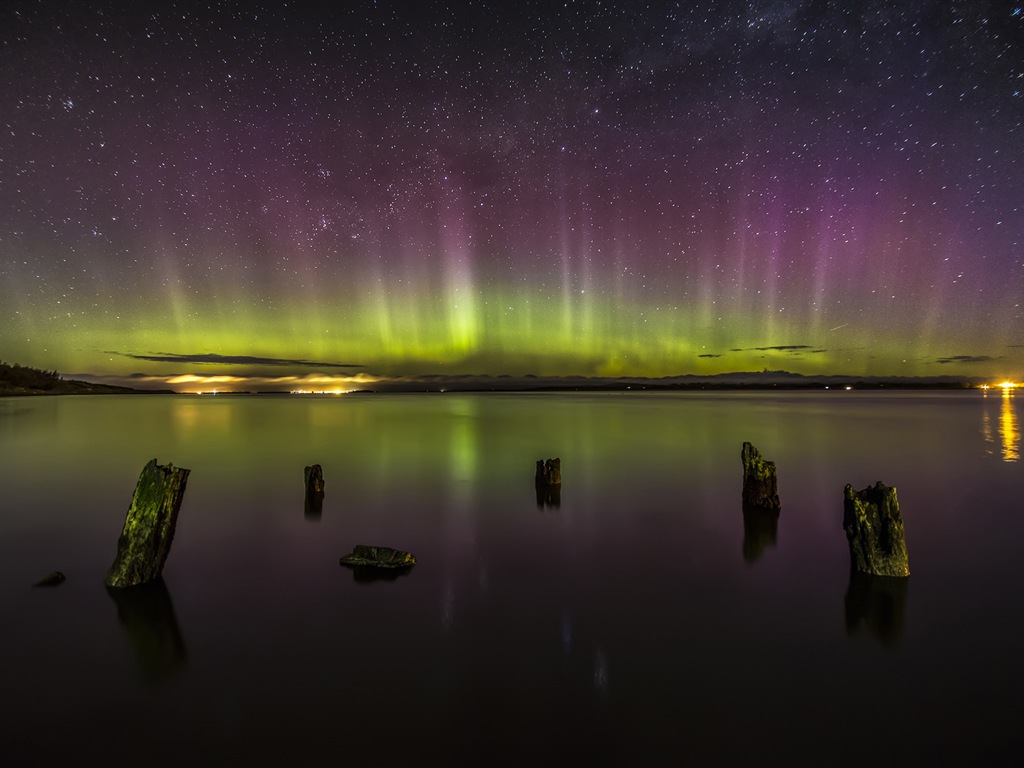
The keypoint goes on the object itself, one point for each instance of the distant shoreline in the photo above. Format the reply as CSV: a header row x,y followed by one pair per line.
x,y
75,387
860,386
21,381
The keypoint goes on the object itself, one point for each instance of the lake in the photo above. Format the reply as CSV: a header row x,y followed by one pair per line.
x,y
642,619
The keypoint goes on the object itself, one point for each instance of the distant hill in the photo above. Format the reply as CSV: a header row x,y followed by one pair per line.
x,y
738,380
22,380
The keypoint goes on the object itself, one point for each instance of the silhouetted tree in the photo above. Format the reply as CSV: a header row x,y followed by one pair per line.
x,y
23,377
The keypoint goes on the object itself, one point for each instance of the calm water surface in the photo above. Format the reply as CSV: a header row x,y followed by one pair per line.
x,y
642,621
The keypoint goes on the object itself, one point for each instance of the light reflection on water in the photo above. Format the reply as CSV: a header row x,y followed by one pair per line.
x,y
1004,438
643,619
1008,427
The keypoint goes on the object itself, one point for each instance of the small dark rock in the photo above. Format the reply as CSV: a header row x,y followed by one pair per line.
x,y
51,580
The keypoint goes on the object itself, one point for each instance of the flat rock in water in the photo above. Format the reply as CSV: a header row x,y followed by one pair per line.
x,y
364,556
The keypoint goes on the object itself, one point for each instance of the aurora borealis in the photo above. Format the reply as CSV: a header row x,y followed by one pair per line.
x,y
367,190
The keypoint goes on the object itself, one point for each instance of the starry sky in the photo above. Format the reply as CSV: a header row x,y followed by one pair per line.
x,y
352,192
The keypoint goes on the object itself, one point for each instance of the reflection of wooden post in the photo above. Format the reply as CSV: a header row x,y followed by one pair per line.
x,y
145,540
147,615
760,531
874,530
314,491
878,603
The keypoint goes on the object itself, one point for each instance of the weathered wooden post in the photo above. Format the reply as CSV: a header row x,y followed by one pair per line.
x,y
760,486
314,479
874,530
145,540
549,472
314,505
548,482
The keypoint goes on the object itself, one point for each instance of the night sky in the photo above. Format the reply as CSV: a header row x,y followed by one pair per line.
x,y
349,192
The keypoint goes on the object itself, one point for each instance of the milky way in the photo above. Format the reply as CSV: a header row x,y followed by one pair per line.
x,y
606,189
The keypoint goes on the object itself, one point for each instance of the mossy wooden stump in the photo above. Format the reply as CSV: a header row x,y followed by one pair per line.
x,y
760,485
549,472
874,530
145,540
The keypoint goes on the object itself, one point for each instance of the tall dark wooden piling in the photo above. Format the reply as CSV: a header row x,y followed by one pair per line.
x,y
548,481
549,472
760,486
145,540
314,477
874,530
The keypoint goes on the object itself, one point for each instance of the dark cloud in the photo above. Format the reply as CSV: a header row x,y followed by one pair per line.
x,y
211,359
709,355
966,359
778,348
